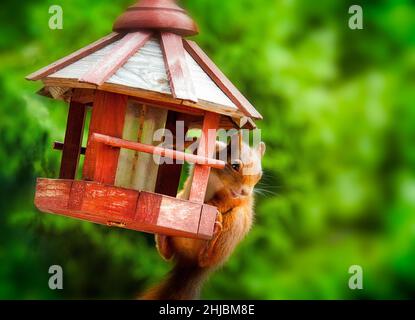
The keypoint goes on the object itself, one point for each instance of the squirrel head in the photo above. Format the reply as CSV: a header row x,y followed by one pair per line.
x,y
242,172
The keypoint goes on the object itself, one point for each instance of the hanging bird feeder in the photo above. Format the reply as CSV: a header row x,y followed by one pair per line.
x,y
142,77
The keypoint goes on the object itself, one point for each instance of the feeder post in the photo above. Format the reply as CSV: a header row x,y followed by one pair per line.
x,y
206,149
108,115
73,140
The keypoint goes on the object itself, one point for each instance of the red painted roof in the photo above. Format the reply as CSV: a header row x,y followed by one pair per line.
x,y
168,22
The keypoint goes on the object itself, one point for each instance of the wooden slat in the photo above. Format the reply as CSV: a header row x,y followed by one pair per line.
x,y
147,69
50,196
168,177
181,83
76,196
108,114
73,140
206,88
119,204
164,152
59,146
207,221
85,96
163,213
138,170
58,65
150,97
244,123
221,80
131,209
128,159
60,93
206,149
145,174
127,46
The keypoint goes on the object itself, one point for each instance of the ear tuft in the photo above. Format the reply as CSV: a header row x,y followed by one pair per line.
x,y
261,148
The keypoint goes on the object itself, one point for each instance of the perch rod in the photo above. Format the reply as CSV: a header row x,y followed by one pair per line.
x,y
164,152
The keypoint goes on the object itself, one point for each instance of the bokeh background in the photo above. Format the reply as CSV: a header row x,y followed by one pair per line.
x,y
339,123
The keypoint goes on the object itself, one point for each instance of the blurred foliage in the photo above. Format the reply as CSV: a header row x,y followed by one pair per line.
x,y
339,123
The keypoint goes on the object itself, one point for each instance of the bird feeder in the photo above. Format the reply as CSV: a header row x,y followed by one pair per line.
x,y
142,77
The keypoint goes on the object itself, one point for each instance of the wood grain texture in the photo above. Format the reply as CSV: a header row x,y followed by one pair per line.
x,y
150,97
181,82
145,174
163,213
59,92
125,208
168,177
108,115
221,80
206,149
207,222
206,89
148,209
169,105
128,159
191,116
78,68
118,203
76,195
244,123
85,96
73,140
187,220
164,152
116,58
52,195
146,70
137,170
58,65
196,122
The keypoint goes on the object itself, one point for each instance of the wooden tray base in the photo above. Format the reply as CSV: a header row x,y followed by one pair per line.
x,y
125,208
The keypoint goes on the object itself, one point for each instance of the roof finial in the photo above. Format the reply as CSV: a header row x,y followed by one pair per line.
x,y
163,15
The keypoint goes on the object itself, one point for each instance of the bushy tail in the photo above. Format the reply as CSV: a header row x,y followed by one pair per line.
x,y
183,282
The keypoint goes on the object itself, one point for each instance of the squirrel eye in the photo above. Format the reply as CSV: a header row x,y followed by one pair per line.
x,y
236,166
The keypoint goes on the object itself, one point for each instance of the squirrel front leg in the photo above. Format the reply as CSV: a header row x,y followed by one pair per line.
x,y
168,246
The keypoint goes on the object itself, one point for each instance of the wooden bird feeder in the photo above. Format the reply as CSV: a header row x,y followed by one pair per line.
x,y
142,77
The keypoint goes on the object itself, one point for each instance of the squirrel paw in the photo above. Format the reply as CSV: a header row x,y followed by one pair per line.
x,y
218,224
206,255
164,247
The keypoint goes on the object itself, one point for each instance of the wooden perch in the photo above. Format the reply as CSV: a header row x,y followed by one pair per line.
x,y
164,152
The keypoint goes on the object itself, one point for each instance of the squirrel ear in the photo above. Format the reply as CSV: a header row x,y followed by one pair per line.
x,y
261,148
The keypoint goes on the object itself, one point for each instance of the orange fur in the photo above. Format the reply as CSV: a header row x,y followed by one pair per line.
x,y
231,192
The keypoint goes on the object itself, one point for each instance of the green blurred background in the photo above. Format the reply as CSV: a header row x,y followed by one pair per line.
x,y
339,123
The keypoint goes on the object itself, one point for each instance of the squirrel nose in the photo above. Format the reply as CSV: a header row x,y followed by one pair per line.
x,y
245,191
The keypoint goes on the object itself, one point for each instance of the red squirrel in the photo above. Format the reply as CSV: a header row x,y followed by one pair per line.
x,y
231,191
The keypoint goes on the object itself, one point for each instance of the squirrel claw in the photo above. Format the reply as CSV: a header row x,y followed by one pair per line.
x,y
218,227
206,255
